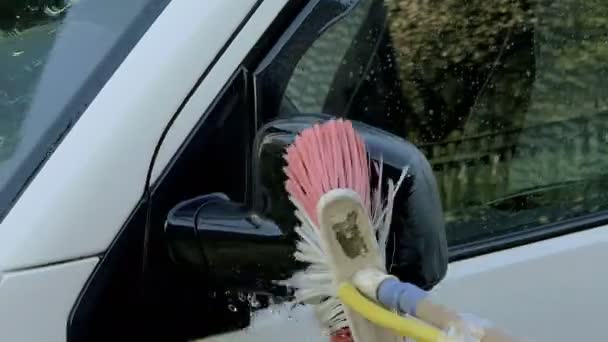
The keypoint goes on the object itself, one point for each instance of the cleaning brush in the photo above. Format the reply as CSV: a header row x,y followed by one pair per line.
x,y
344,227
332,157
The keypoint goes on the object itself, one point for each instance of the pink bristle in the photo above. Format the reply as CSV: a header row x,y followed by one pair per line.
x,y
304,147
298,179
299,170
347,172
351,166
313,164
321,148
354,154
336,155
324,157
329,153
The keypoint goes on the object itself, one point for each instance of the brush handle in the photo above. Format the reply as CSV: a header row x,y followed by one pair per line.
x,y
410,299
402,326
444,318
348,240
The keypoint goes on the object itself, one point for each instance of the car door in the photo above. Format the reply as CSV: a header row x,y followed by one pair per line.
x,y
86,90
506,101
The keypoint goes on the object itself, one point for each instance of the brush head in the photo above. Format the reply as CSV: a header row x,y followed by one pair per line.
x,y
325,159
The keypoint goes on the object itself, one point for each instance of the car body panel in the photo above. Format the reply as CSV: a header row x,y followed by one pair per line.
x,y
35,303
552,290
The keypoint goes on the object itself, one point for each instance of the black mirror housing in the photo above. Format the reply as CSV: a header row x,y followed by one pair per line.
x,y
233,245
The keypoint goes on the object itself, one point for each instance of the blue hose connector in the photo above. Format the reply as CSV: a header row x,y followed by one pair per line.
x,y
400,296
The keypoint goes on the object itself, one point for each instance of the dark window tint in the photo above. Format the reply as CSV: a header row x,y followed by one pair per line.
x,y
55,55
508,99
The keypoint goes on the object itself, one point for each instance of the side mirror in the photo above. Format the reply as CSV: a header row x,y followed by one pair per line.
x,y
232,244
248,247
417,241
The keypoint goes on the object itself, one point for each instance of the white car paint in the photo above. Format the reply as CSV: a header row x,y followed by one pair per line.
x,y
553,290
35,304
87,189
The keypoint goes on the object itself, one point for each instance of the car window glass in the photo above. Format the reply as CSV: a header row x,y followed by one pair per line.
x,y
55,55
507,100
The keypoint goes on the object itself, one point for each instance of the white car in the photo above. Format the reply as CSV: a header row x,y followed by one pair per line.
x,y
120,119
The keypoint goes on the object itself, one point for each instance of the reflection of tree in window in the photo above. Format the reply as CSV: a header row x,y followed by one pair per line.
x,y
450,53
465,72
507,100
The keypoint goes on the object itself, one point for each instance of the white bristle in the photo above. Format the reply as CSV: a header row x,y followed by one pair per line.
x,y
332,314
310,238
304,255
384,224
377,197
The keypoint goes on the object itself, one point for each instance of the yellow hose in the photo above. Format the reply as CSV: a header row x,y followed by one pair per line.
x,y
402,326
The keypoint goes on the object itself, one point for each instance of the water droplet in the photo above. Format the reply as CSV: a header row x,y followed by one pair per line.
x,y
253,301
232,308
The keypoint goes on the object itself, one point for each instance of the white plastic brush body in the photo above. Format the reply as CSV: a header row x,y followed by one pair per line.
x,y
347,237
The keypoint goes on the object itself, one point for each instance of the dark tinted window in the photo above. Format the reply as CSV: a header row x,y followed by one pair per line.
x,y
507,99
55,55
